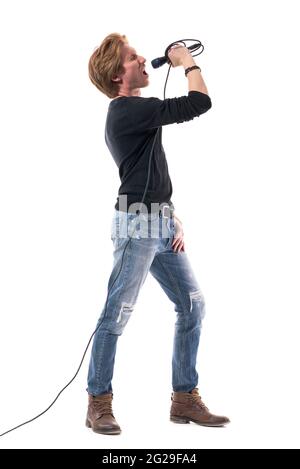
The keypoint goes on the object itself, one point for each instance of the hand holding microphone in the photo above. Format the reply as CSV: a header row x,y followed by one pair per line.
x,y
176,55
159,61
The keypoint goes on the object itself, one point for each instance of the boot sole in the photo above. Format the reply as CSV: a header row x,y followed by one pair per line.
x,y
112,431
176,419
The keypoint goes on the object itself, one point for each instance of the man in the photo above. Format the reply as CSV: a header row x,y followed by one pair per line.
x,y
133,129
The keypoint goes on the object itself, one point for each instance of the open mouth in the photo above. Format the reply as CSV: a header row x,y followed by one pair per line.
x,y
145,73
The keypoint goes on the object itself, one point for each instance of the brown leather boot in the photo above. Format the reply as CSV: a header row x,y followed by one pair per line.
x,y
188,406
100,415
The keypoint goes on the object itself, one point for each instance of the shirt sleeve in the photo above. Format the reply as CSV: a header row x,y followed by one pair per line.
x,y
150,113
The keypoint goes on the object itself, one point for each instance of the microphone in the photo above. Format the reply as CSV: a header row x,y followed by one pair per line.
x,y
156,63
159,61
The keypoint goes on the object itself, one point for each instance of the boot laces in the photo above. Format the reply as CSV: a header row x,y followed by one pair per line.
x,y
194,396
103,407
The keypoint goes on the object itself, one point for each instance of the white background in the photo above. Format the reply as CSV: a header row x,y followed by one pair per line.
x,y
235,176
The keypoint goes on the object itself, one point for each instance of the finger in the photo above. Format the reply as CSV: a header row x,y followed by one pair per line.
x,y
176,244
180,247
175,247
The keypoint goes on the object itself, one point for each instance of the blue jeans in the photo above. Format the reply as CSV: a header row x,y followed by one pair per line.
x,y
150,237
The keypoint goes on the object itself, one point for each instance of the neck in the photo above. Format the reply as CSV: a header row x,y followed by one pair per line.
x,y
129,92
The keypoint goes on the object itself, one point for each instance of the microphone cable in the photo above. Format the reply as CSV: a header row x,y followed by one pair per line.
x,y
194,47
165,59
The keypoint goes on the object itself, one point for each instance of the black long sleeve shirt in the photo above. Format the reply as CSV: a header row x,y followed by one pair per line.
x,y
130,128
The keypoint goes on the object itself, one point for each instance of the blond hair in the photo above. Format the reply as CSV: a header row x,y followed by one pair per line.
x,y
105,62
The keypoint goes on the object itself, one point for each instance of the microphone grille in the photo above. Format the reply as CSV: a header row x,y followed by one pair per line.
x,y
158,62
